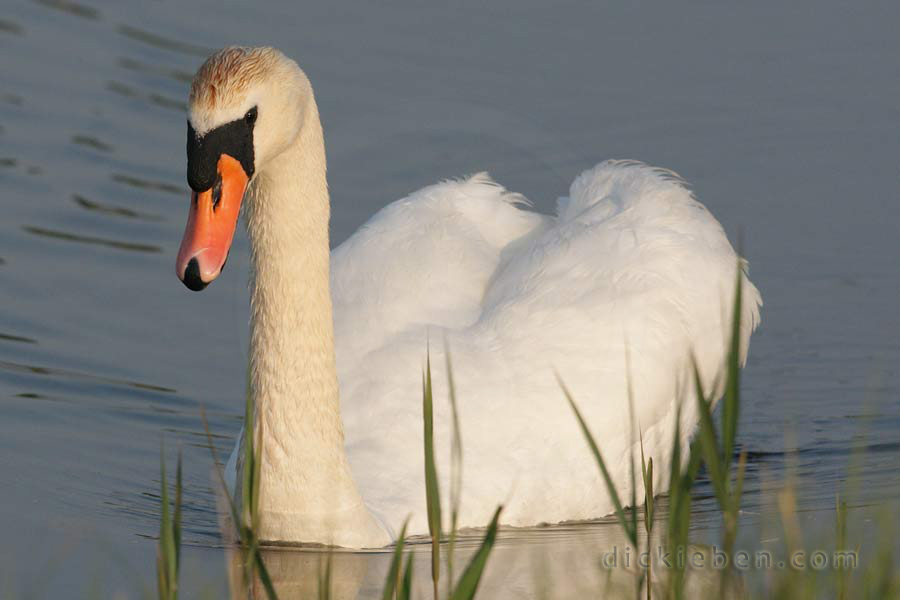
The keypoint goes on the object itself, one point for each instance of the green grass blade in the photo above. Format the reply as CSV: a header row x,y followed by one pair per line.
x,y
648,495
405,592
730,414
252,464
647,474
325,580
841,545
217,467
731,404
613,494
162,590
630,390
247,536
676,481
392,583
176,522
249,462
263,573
167,553
165,531
708,441
456,462
254,483
471,576
432,493
680,514
162,558
694,461
675,463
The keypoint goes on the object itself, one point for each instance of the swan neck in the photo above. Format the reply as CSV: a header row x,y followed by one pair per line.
x,y
305,477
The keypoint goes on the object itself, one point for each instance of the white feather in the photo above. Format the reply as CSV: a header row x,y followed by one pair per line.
x,y
632,264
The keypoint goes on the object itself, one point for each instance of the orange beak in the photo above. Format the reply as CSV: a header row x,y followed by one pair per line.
x,y
211,222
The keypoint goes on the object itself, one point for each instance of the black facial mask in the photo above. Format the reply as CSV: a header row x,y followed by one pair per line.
x,y
234,139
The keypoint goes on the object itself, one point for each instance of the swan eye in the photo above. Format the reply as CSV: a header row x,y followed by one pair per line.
x,y
250,117
217,191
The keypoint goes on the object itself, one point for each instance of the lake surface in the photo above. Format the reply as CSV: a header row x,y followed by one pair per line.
x,y
785,120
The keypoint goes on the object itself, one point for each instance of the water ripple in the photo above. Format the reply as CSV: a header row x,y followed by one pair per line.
x,y
10,27
146,184
84,239
78,375
158,41
139,67
7,337
12,99
152,97
73,8
92,143
111,209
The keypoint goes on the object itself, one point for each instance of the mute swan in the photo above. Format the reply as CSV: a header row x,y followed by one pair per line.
x,y
338,339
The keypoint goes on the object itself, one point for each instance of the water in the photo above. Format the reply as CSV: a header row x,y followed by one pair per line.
x,y
785,120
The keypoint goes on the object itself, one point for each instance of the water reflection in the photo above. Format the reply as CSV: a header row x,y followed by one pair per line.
x,y
523,564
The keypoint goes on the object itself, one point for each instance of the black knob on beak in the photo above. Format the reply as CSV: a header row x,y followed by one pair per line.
x,y
191,277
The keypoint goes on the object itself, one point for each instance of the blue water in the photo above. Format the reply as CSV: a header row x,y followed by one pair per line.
x,y
784,119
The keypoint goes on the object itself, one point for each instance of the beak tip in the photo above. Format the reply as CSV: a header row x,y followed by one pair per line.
x,y
191,277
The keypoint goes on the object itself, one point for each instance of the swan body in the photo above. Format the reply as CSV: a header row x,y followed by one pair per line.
x,y
630,277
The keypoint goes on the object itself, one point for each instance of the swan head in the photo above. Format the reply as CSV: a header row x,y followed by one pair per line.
x,y
246,107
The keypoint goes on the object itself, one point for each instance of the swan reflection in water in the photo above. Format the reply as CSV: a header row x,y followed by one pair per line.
x,y
565,561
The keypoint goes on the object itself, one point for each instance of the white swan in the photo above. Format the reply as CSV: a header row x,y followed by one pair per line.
x,y
631,259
